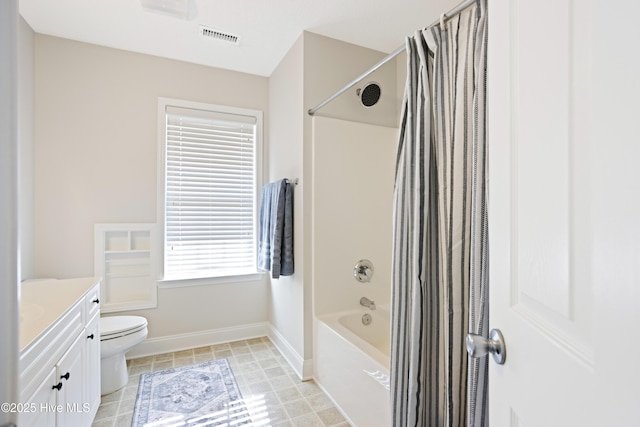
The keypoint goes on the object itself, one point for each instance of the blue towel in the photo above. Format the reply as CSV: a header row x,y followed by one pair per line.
x,y
275,237
282,259
270,194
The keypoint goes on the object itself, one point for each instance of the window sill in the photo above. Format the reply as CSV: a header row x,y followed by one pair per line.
x,y
181,283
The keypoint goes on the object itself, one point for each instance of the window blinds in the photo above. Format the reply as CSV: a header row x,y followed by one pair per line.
x,y
209,194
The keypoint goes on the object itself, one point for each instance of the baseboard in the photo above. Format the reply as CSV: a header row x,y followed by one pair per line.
x,y
171,343
302,367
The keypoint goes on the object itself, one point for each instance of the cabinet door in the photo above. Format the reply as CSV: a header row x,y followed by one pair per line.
x,y
71,393
40,407
91,375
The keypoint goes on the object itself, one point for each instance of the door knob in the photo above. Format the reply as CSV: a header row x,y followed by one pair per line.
x,y
479,346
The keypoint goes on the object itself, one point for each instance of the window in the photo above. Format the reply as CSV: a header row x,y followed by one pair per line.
x,y
209,173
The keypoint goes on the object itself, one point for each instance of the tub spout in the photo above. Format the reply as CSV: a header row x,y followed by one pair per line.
x,y
367,303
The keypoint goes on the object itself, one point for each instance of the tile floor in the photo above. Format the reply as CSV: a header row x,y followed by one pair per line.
x,y
278,398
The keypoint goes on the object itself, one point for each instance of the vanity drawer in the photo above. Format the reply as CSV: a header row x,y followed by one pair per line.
x,y
92,303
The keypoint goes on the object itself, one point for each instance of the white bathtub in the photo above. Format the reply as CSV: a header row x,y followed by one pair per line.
x,y
352,364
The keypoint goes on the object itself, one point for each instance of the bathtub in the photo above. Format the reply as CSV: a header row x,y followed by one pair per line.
x,y
352,364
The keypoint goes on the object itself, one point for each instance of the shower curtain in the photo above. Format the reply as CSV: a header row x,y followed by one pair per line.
x,y
440,264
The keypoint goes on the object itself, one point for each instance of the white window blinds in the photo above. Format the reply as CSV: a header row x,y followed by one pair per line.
x,y
210,194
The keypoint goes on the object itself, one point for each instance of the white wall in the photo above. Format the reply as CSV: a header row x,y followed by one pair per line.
x,y
353,175
95,162
26,148
9,247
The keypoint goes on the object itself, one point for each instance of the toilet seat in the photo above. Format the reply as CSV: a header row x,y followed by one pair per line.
x,y
120,326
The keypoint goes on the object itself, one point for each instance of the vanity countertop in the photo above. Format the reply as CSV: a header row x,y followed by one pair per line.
x,y
42,302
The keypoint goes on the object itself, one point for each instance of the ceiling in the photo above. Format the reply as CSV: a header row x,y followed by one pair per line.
x,y
266,28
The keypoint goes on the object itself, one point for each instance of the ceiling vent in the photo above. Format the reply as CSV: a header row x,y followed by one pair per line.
x,y
210,33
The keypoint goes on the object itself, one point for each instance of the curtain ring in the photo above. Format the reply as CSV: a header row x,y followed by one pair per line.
x,y
443,16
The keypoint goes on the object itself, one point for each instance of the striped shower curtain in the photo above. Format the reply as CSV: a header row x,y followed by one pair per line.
x,y
440,264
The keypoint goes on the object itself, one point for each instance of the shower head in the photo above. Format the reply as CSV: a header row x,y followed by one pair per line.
x,y
370,94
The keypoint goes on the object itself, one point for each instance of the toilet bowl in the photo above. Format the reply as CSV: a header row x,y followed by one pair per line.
x,y
118,334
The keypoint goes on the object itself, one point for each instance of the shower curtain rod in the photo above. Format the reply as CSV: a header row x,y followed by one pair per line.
x,y
459,8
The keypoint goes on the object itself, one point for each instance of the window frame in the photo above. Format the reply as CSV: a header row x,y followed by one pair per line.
x,y
163,103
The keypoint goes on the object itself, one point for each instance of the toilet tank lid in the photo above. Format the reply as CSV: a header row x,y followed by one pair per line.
x,y
117,324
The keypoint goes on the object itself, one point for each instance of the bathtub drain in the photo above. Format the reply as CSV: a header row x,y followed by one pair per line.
x,y
366,319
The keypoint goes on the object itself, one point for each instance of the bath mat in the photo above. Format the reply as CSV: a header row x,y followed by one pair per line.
x,y
201,394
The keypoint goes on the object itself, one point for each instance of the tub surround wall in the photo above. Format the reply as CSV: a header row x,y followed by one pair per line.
x,y
354,166
353,175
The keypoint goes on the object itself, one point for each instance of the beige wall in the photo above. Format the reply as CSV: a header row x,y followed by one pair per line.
x,y
401,82
96,153
285,160
330,64
95,162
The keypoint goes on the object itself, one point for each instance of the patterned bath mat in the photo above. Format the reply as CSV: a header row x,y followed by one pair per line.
x,y
202,394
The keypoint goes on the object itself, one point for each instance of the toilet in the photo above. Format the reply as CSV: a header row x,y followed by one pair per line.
x,y
118,334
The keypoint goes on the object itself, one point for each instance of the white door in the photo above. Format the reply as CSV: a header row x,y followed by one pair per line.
x,y
564,211
9,248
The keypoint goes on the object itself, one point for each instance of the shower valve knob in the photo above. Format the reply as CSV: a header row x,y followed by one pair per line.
x,y
479,346
363,271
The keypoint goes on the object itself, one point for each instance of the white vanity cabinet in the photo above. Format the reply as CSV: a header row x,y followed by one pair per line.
x,y
60,353
92,364
69,389
31,414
